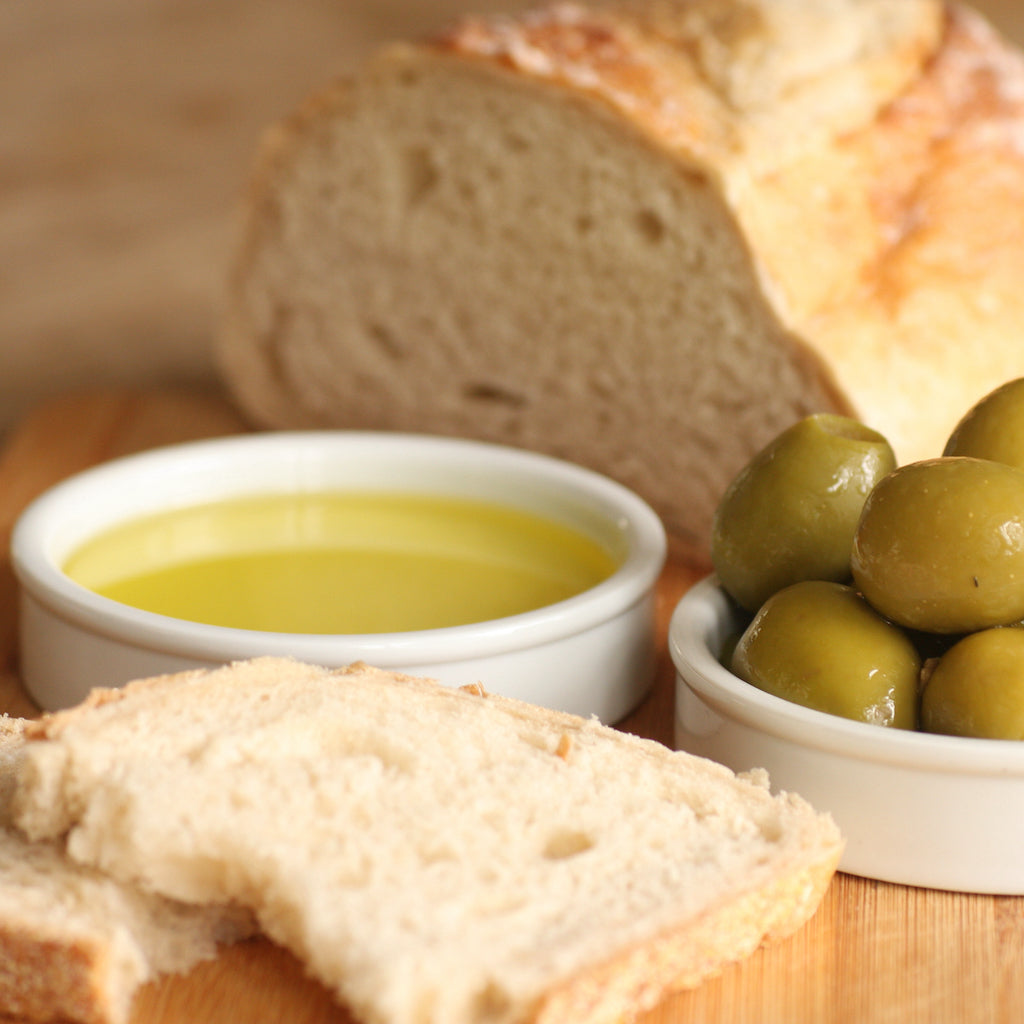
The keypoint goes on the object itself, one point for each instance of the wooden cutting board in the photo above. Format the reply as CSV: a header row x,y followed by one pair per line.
x,y
873,953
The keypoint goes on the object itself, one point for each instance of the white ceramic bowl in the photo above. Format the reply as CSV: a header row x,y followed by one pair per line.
x,y
590,654
939,812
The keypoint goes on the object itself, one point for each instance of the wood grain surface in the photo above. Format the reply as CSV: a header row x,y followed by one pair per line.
x,y
874,952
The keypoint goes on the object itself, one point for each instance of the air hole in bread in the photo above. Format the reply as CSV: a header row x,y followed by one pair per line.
x,y
385,339
584,224
468,193
495,394
567,843
421,175
517,143
650,226
492,1002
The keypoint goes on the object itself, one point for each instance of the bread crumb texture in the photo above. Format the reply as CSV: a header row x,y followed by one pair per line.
x,y
431,854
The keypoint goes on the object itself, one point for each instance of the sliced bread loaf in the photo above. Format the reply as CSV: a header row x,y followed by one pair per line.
x,y
75,945
435,856
645,235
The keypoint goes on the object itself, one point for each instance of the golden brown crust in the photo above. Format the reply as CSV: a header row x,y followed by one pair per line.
x,y
733,85
53,980
930,321
682,959
887,219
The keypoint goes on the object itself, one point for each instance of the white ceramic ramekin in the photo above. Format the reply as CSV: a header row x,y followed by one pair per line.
x,y
592,654
939,812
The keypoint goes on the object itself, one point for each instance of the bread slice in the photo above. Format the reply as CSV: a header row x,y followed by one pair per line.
x,y
645,236
75,945
433,855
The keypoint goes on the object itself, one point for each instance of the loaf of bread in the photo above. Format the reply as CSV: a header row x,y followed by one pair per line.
x,y
75,945
645,236
434,856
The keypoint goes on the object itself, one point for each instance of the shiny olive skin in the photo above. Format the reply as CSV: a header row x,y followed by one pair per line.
x,y
820,644
993,428
977,687
790,514
940,545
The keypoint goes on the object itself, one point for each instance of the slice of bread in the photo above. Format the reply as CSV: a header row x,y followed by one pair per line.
x,y
75,945
645,236
433,855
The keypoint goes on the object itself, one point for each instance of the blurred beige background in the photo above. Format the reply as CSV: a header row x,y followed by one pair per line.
x,y
128,130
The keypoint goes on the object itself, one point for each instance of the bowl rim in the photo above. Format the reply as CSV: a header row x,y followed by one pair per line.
x,y
83,501
699,625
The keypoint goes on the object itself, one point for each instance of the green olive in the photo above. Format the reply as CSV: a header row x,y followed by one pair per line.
x,y
977,687
821,644
940,545
790,514
993,428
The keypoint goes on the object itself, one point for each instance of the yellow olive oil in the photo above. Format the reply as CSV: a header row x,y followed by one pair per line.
x,y
362,562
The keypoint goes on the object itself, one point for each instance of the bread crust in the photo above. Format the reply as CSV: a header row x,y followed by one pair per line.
x,y
54,980
740,87
644,976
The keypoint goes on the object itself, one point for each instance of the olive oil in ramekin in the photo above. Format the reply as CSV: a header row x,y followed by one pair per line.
x,y
341,562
